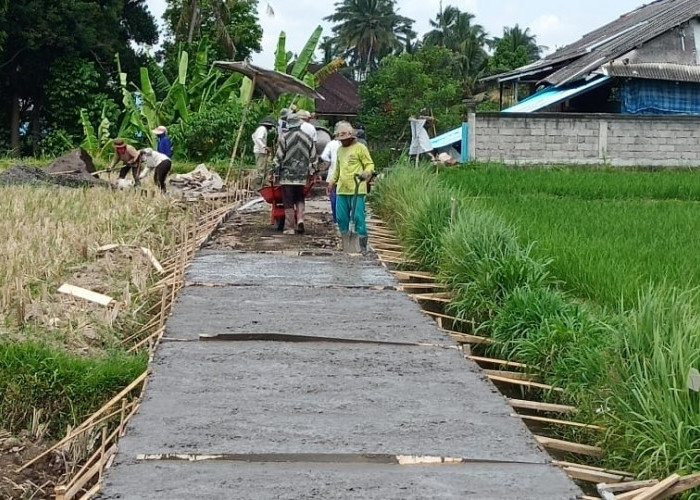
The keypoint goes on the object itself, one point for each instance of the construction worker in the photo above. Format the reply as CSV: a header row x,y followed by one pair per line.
x,y
294,158
159,163
165,145
353,159
129,155
260,147
306,125
330,156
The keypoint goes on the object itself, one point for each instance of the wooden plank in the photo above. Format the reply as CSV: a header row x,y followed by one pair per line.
x,y
591,476
498,362
562,464
684,484
620,487
407,275
405,287
432,297
514,375
569,447
107,248
554,421
153,260
543,407
89,295
465,338
654,491
524,383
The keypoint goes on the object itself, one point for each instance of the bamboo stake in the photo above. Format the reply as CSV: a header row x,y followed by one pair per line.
x,y
554,421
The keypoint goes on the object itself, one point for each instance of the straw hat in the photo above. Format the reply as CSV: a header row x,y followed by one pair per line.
x,y
344,130
303,114
119,143
160,130
293,120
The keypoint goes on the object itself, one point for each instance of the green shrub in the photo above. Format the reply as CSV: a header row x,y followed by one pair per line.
x,y
655,415
482,261
425,221
65,387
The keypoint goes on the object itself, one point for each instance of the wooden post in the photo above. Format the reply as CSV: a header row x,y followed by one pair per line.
x,y
240,128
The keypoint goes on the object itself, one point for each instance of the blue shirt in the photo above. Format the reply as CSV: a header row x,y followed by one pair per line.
x,y
165,145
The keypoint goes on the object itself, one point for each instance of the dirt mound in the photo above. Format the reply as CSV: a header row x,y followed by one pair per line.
x,y
71,170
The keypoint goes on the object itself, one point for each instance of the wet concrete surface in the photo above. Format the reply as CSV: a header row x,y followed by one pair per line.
x,y
378,315
270,397
346,481
344,399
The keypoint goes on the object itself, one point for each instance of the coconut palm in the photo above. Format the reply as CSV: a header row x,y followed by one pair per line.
x,y
455,30
516,37
367,30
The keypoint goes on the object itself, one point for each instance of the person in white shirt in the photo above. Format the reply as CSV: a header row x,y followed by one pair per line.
x,y
306,125
159,163
330,156
260,148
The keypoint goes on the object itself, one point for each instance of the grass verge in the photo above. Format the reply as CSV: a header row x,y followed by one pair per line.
x,y
624,363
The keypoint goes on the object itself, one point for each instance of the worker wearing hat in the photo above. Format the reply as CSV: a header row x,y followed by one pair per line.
x,y
295,155
159,163
165,145
353,159
129,155
306,125
260,147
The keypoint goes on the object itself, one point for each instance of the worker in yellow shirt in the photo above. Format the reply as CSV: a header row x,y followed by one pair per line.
x,y
353,159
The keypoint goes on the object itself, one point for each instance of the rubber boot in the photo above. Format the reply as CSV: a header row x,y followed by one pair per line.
x,y
290,220
345,241
363,244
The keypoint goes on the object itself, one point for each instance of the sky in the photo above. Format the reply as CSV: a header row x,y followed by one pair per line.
x,y
554,22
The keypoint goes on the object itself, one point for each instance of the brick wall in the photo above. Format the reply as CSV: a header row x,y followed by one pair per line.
x,y
581,139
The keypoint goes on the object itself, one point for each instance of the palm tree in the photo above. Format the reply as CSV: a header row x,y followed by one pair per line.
x,y
368,30
516,37
454,30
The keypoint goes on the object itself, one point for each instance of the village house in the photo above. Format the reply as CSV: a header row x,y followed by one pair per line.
x,y
646,62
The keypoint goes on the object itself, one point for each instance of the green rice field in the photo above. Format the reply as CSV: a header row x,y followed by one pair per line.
x,y
609,233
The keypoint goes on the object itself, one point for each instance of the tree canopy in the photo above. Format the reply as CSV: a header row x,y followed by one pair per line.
x,y
365,31
231,26
517,47
46,36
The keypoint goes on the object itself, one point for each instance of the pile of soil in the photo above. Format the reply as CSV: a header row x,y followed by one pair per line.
x,y
72,170
37,481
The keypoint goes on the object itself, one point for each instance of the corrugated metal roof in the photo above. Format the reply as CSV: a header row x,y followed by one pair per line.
x,y
654,71
554,95
613,40
447,139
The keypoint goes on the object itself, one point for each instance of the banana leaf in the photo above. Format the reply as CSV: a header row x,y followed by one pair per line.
x,y
306,56
281,54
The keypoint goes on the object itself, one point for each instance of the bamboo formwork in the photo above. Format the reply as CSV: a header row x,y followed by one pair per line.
x,y
416,283
108,424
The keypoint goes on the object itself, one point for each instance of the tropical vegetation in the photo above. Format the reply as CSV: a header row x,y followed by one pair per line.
x,y
588,277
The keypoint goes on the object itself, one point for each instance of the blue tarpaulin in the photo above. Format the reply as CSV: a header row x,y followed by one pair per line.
x,y
658,97
554,95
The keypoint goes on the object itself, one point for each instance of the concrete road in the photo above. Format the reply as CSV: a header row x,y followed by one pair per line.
x,y
318,418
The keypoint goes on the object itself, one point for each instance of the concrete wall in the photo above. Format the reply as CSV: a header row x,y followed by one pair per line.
x,y
585,139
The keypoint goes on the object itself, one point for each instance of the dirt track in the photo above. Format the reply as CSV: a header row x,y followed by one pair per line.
x,y
291,416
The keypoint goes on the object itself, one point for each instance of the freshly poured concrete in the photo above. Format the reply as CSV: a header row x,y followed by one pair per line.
x,y
319,398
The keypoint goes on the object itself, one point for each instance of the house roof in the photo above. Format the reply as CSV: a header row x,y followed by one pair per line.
x,y
600,47
272,83
654,71
340,93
